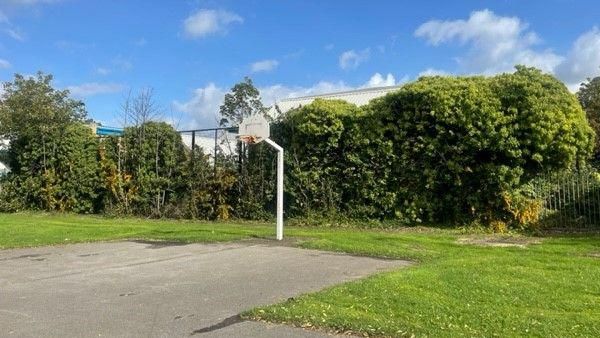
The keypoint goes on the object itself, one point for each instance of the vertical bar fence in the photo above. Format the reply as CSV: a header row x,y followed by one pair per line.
x,y
570,199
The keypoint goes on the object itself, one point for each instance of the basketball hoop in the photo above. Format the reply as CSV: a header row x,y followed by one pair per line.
x,y
254,129
248,139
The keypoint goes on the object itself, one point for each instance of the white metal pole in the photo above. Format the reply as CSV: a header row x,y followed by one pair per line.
x,y
279,187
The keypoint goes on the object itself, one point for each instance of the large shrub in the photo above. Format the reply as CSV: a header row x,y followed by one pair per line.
x,y
313,139
462,144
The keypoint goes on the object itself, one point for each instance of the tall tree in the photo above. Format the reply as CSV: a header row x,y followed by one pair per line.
x,y
52,154
242,101
589,97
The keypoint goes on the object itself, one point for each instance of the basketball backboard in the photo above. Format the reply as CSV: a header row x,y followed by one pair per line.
x,y
254,129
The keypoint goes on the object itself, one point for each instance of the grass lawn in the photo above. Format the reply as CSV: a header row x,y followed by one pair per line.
x,y
36,229
547,288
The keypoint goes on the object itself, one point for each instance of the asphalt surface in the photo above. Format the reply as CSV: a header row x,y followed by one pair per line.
x,y
136,289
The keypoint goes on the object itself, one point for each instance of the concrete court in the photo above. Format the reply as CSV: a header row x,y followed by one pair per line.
x,y
144,289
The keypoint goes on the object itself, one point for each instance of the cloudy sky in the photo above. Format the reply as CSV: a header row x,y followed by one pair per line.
x,y
192,52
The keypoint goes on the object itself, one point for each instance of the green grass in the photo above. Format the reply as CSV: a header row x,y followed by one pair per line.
x,y
548,289
37,229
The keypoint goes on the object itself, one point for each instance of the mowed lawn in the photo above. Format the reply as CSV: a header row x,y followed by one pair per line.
x,y
458,286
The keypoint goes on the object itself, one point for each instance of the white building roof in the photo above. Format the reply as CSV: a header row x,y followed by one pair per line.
x,y
359,97
226,143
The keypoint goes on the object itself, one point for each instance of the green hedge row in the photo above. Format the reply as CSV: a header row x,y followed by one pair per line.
x,y
443,149
440,149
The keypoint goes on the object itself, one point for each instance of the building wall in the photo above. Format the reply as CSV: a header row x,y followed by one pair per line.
x,y
359,97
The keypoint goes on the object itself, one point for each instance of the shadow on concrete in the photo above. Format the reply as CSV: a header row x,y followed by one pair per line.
x,y
159,244
220,325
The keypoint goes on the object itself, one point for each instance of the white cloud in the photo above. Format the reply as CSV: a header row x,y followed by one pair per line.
x,y
433,72
582,61
208,21
264,66
351,59
94,88
377,80
202,109
496,43
4,64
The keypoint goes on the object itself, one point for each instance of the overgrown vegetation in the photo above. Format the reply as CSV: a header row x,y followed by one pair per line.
x,y
440,149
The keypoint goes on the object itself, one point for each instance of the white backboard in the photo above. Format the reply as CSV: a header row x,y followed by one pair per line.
x,y
255,126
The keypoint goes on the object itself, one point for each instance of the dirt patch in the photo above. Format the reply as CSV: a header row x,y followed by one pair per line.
x,y
595,254
500,241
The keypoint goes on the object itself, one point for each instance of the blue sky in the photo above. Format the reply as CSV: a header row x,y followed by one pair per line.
x,y
192,52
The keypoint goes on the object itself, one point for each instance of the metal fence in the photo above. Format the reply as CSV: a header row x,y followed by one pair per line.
x,y
570,199
217,143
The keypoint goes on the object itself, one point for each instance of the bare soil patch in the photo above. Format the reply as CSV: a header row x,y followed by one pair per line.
x,y
500,241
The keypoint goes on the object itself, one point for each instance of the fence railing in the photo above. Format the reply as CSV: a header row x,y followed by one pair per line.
x,y
570,199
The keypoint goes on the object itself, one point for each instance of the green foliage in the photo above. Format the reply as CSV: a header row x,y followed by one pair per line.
x,y
253,190
32,107
52,155
441,149
546,120
589,97
337,161
242,101
461,144
199,197
151,155
313,142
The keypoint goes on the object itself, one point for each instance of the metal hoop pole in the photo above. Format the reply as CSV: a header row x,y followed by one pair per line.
x,y
279,187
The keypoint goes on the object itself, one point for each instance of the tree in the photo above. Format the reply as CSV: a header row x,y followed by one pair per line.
x,y
52,154
152,161
242,101
32,108
589,97
140,108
